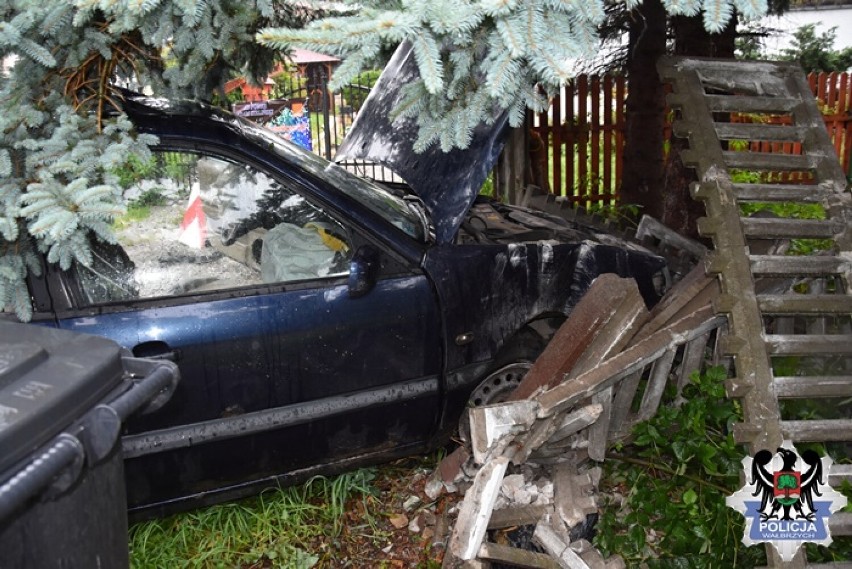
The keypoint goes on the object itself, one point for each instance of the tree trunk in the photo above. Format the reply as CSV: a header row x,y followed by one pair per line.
x,y
692,39
642,176
680,211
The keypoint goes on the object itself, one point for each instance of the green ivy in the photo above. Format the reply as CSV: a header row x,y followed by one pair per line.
x,y
674,478
791,210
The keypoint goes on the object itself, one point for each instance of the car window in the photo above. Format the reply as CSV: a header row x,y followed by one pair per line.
x,y
380,199
199,223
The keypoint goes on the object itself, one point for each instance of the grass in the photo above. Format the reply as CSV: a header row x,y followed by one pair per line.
x,y
792,210
344,521
592,183
140,208
283,527
135,213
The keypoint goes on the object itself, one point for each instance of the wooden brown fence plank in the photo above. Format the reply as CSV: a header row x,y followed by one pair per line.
x,y
593,187
830,96
589,116
568,189
557,146
582,135
620,105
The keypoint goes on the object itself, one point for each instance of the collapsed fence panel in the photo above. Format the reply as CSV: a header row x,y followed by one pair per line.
x,y
575,402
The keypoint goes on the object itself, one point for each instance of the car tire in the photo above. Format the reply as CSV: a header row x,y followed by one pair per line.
x,y
510,367
499,384
511,364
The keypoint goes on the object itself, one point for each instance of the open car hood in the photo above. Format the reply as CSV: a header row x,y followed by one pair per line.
x,y
447,182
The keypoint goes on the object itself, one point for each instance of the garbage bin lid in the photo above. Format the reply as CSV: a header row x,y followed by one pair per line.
x,y
48,379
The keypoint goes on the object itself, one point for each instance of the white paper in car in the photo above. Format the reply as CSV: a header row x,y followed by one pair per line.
x,y
293,253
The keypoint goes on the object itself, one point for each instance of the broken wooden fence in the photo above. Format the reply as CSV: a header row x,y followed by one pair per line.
x,y
609,358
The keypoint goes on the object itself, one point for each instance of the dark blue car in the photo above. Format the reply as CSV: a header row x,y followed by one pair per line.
x,y
320,321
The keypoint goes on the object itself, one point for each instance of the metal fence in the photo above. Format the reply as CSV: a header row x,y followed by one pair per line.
x,y
302,108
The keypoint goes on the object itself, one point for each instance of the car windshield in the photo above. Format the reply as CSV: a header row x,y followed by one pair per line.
x,y
393,208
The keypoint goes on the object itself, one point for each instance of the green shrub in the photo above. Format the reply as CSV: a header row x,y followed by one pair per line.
x,y
674,479
356,92
134,171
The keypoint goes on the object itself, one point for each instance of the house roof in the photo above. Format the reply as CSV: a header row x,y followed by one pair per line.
x,y
297,57
304,56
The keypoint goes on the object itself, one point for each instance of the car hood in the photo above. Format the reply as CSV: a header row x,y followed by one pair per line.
x,y
447,182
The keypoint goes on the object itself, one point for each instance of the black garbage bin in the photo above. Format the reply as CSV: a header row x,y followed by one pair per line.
x,y
63,399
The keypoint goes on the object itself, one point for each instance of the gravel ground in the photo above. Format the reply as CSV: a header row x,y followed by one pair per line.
x,y
166,266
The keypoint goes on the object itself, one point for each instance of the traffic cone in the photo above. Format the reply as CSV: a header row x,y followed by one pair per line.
x,y
193,228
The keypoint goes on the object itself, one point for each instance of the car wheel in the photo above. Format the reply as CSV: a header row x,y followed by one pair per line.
x,y
512,364
499,384
495,388
510,367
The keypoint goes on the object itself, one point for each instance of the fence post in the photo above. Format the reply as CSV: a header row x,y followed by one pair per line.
x,y
510,173
326,113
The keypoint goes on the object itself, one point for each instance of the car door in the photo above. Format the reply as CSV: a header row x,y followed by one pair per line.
x,y
243,278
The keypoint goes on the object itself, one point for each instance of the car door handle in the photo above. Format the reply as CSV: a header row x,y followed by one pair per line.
x,y
464,338
156,351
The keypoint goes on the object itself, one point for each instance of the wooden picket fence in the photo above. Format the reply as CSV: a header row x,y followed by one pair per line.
x,y
584,129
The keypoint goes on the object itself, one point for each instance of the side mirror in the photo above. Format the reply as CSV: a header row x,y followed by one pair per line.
x,y
363,271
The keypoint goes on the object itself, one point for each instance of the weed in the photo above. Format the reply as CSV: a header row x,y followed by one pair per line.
x,y
591,189
623,215
135,213
177,166
792,210
279,528
487,188
674,479
134,171
151,197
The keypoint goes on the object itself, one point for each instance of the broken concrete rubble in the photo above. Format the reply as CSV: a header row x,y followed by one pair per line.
x,y
608,295
534,455
552,542
574,494
493,427
476,509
